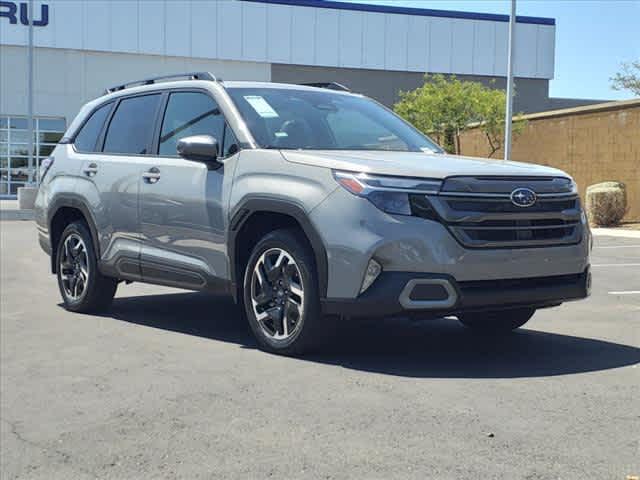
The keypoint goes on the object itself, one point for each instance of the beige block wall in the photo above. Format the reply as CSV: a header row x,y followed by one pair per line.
x,y
593,144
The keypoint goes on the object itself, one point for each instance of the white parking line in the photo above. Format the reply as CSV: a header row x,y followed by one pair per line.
x,y
618,246
616,265
615,232
630,292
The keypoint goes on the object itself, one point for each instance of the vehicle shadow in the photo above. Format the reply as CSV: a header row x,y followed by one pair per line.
x,y
431,348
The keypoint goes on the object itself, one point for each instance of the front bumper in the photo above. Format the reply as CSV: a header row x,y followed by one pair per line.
x,y
354,231
43,239
397,293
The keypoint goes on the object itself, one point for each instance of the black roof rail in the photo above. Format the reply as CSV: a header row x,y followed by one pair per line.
x,y
327,85
152,80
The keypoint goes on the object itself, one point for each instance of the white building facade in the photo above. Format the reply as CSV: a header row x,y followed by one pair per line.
x,y
85,46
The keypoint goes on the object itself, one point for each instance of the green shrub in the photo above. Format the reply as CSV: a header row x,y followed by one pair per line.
x,y
606,203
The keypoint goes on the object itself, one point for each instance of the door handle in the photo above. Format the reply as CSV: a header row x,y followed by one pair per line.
x,y
152,175
90,170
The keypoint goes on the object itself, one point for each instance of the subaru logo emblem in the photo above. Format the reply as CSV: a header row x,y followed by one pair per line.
x,y
523,197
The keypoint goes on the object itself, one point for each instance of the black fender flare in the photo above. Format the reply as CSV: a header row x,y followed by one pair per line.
x,y
70,200
253,204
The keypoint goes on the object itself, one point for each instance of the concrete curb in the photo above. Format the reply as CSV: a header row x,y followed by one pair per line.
x,y
16,214
615,232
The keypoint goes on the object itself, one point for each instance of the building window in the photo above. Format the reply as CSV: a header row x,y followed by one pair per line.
x,y
14,149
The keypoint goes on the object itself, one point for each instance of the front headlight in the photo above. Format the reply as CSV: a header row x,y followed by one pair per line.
x,y
389,194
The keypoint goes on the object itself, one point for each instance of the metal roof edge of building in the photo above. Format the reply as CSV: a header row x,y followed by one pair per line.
x,y
423,12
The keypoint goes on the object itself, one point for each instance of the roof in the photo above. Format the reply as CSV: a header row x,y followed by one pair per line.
x,y
422,12
282,86
165,83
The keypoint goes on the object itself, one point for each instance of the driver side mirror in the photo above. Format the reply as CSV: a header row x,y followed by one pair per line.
x,y
201,148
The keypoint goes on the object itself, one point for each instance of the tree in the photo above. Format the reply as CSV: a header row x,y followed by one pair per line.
x,y
492,119
445,107
628,78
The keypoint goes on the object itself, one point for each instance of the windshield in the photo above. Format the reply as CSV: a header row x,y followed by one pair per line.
x,y
324,120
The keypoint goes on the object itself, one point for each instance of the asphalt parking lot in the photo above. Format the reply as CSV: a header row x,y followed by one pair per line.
x,y
169,384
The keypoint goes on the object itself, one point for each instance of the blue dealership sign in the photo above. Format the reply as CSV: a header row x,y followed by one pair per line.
x,y
14,11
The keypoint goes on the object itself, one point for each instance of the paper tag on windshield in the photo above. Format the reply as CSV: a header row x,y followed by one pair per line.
x,y
261,106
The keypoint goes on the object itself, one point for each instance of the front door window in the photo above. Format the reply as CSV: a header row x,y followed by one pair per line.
x,y
187,114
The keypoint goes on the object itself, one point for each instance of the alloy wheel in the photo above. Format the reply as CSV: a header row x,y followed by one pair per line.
x,y
74,267
277,294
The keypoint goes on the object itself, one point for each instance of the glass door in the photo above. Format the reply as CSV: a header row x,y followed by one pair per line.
x,y
14,149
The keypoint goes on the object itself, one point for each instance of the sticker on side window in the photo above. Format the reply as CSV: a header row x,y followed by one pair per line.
x,y
261,106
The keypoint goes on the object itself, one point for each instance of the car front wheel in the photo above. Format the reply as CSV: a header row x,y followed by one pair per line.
x,y
280,294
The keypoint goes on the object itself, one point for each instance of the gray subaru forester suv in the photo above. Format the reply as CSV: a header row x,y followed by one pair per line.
x,y
301,202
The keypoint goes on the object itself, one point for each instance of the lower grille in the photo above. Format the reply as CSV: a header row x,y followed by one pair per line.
x,y
511,283
515,235
537,290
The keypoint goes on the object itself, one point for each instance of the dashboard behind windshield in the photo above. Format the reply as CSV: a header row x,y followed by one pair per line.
x,y
318,120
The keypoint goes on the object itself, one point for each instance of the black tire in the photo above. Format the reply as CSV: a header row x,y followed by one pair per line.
x,y
309,334
497,321
99,290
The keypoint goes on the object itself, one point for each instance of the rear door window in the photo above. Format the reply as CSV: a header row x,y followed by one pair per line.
x,y
131,128
87,137
187,114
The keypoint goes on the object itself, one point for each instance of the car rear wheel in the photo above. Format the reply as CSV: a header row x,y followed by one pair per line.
x,y
498,321
82,286
281,294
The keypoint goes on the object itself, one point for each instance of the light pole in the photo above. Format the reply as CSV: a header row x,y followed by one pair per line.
x,y
30,94
509,109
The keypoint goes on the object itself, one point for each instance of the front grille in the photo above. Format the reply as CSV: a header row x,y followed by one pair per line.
x,y
503,206
489,219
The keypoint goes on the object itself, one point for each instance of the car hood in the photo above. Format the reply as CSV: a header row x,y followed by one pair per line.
x,y
415,164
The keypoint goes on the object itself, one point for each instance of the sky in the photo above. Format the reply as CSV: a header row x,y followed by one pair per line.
x,y
592,38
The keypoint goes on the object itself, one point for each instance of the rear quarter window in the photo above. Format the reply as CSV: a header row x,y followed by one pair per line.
x,y
87,138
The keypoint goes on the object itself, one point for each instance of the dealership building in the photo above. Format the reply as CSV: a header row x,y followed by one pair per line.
x,y
84,46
